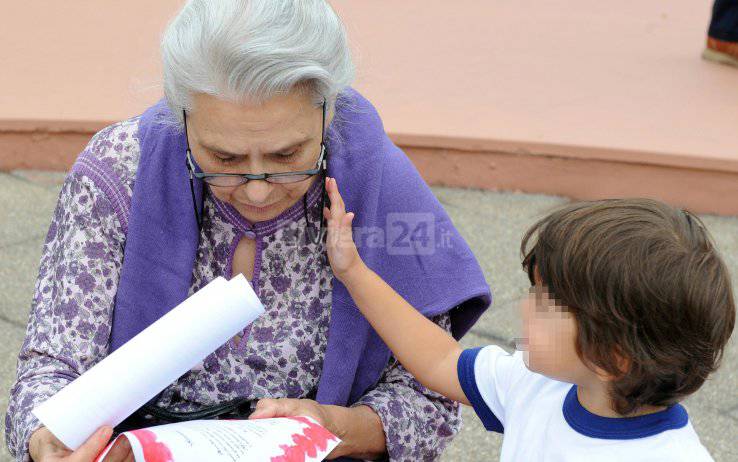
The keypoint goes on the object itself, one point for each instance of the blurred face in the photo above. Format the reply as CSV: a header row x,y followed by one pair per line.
x,y
549,332
281,135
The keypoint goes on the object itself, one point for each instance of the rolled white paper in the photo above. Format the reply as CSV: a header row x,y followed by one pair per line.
x,y
133,374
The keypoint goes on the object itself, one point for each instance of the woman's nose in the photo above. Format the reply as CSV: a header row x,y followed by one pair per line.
x,y
254,192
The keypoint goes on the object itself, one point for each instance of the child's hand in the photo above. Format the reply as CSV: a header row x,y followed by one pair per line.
x,y
342,253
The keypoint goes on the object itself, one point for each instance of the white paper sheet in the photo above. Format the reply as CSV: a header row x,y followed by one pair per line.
x,y
286,439
130,376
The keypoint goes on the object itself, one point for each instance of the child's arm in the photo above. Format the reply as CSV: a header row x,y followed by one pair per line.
x,y
426,350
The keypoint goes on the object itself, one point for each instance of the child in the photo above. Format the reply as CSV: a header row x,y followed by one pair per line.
x,y
629,310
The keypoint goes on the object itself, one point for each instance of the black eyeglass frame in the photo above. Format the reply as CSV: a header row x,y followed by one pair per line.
x,y
246,177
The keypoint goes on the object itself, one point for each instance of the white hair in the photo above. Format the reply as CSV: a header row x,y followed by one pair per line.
x,y
254,49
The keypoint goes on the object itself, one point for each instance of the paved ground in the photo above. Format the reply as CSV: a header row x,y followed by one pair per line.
x,y
492,223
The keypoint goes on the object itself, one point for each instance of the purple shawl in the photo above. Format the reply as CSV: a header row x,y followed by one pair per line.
x,y
377,181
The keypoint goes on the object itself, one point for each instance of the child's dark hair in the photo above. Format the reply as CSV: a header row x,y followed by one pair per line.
x,y
651,297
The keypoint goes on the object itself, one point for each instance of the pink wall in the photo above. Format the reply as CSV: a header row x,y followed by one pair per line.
x,y
572,97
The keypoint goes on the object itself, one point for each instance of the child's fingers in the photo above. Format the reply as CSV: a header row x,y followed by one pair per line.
x,y
338,208
339,222
345,231
335,189
333,222
341,233
338,193
347,219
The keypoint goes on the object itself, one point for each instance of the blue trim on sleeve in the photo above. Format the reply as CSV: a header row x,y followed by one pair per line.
x,y
465,370
621,428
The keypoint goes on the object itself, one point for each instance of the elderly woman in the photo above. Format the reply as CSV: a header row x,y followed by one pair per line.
x,y
226,176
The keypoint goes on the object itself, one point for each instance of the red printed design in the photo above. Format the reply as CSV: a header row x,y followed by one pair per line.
x,y
313,438
153,450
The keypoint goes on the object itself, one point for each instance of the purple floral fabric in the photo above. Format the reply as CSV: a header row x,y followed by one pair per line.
x,y
279,355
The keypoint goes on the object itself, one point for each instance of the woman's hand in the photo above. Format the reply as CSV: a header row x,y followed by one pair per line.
x,y
342,252
45,447
358,428
269,408
285,407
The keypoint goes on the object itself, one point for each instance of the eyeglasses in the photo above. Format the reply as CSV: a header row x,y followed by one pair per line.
x,y
238,179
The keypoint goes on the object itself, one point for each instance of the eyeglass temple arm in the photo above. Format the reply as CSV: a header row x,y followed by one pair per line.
x,y
191,168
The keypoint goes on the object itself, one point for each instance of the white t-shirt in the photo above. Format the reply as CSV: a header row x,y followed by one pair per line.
x,y
544,421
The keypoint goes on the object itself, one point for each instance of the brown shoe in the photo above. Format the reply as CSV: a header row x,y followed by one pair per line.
x,y
720,51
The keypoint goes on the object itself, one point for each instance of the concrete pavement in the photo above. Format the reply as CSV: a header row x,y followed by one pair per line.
x,y
492,223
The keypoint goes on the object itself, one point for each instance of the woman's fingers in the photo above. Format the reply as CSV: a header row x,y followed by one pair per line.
x,y
43,444
268,408
120,452
265,409
93,446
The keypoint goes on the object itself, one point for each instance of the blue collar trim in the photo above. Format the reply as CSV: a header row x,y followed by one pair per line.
x,y
621,428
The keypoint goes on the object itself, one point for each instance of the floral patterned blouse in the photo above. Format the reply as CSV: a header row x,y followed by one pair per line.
x,y
281,353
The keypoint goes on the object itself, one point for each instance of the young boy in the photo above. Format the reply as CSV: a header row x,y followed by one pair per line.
x,y
629,310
